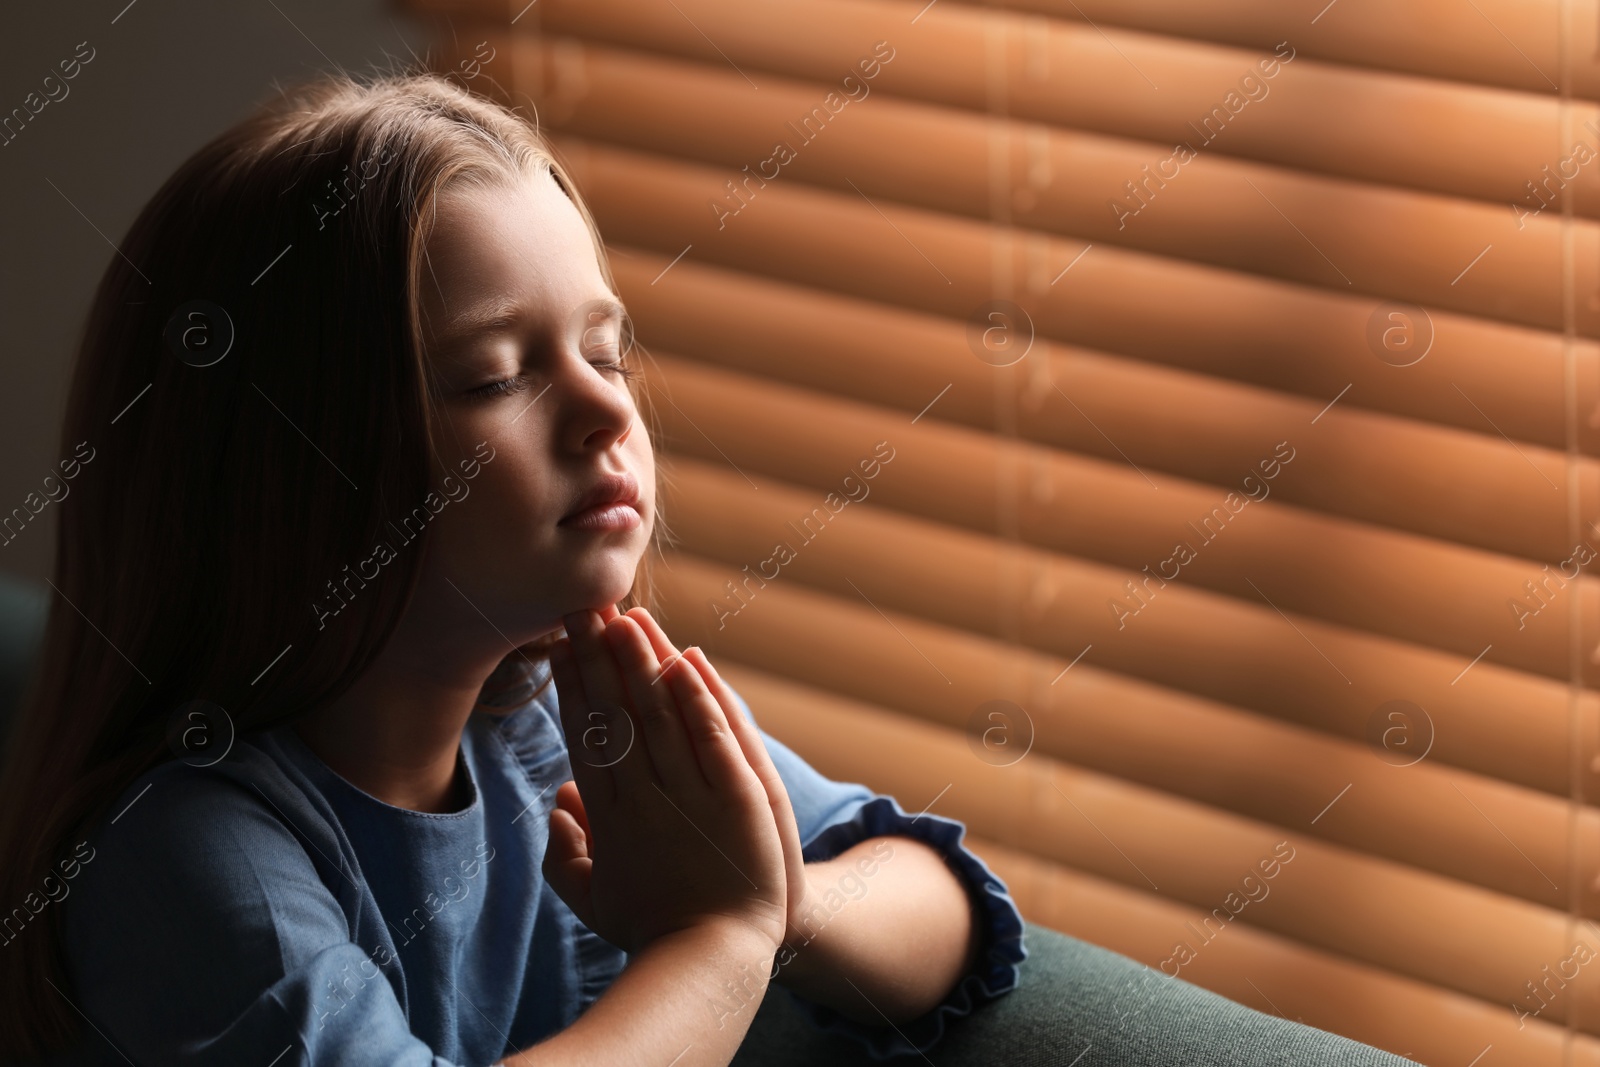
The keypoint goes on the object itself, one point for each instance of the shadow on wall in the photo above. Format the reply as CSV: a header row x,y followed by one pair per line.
x,y
99,105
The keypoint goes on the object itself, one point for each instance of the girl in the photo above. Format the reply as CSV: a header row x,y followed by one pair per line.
x,y
354,740
370,479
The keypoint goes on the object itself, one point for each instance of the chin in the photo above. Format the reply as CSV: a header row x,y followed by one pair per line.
x,y
608,581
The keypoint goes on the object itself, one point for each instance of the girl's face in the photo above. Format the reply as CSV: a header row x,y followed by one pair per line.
x,y
524,338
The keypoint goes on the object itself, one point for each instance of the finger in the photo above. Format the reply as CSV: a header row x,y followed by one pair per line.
x,y
656,708
755,750
717,749
664,648
614,735
572,702
760,761
749,742
567,867
570,800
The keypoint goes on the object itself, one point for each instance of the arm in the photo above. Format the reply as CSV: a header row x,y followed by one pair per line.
x,y
889,931
834,818
896,958
690,994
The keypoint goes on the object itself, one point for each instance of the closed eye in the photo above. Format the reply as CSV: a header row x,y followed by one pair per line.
x,y
621,366
504,387
517,383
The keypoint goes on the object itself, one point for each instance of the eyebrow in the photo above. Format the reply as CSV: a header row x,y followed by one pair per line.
x,y
477,319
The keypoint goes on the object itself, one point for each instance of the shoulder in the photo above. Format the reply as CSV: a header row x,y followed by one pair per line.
x,y
204,841
205,880
177,808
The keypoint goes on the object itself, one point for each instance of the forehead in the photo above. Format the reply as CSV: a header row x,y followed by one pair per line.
x,y
520,242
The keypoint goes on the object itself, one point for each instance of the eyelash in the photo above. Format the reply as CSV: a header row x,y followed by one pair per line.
x,y
516,383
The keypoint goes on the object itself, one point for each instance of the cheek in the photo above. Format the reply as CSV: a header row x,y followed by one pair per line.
x,y
514,492
502,515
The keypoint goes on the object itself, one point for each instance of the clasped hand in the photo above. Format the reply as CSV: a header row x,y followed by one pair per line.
x,y
676,816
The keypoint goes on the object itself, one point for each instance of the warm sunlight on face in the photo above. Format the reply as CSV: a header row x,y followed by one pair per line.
x,y
525,337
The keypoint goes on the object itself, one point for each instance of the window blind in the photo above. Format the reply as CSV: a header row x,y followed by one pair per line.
x,y
1163,437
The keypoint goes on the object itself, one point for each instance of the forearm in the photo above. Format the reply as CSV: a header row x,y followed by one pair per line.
x,y
690,995
891,950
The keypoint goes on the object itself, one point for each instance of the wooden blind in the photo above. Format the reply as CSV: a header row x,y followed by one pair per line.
x,y
1215,386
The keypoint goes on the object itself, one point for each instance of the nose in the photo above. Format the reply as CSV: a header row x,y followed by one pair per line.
x,y
595,408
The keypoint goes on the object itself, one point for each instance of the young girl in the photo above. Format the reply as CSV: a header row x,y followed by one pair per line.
x,y
366,443
354,740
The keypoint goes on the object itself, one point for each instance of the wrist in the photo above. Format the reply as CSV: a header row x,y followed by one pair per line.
x,y
734,936
799,959
740,956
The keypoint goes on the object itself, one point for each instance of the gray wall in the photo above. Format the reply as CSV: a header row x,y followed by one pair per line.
x,y
166,75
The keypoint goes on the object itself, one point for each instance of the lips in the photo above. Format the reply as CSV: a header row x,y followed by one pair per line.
x,y
610,489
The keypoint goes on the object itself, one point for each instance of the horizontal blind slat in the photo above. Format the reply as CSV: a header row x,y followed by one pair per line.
x,y
1333,233
1161,89
1472,489
1477,374
1433,817
1227,650
1513,43
1381,581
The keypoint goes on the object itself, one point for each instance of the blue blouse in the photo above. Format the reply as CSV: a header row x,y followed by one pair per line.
x,y
265,907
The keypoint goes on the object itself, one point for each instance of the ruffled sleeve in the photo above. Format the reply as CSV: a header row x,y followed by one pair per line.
x,y
834,816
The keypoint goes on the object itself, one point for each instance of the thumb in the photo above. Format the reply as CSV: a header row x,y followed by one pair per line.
x,y
567,866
